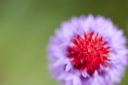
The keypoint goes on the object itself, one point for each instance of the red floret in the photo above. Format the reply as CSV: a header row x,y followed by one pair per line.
x,y
89,52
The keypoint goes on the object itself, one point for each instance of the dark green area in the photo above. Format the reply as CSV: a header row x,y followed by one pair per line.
x,y
25,28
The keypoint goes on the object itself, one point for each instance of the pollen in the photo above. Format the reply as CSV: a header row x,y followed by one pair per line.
x,y
89,52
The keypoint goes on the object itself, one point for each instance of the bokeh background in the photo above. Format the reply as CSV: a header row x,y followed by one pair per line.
x,y
25,28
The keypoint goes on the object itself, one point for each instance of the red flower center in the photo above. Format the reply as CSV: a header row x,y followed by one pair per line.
x,y
89,52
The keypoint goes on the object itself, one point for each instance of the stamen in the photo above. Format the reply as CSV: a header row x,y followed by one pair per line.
x,y
89,52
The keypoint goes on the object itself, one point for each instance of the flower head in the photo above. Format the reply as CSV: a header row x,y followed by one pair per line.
x,y
88,51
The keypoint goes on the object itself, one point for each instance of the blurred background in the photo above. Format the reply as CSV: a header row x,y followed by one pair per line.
x,y
25,28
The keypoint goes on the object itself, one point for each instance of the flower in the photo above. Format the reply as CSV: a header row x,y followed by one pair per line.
x,y
88,51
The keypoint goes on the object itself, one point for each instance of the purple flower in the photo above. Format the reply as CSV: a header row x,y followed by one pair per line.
x,y
88,51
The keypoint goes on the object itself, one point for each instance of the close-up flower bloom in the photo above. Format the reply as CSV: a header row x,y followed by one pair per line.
x,y
88,51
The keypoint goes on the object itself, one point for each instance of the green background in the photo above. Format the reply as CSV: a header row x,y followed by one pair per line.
x,y
25,28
